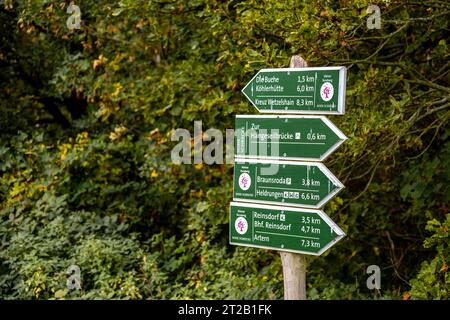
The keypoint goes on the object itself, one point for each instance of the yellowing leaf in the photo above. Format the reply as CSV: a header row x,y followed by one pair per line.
x,y
118,90
118,132
376,250
98,62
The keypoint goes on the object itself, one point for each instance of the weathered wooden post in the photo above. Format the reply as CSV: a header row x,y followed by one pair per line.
x,y
294,264
281,210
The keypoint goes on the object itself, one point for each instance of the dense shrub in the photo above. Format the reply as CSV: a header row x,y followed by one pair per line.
x,y
86,118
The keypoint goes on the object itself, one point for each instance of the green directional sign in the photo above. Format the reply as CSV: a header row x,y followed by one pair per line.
x,y
286,137
282,228
298,90
292,183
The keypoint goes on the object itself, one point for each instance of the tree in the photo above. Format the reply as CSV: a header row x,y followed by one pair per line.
x,y
87,114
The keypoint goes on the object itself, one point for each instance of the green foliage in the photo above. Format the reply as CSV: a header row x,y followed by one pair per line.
x,y
86,118
433,280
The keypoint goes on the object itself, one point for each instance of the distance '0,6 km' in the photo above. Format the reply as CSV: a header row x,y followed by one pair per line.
x,y
259,309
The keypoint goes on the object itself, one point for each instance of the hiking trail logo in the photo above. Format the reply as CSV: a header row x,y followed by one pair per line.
x,y
326,91
241,225
244,181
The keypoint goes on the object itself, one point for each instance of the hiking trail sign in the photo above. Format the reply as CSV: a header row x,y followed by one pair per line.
x,y
318,90
289,229
279,182
287,183
286,137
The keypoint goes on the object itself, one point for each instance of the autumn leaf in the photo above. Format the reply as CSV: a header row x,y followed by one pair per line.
x,y
99,62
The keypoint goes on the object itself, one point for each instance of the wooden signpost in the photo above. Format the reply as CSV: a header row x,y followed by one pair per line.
x,y
278,207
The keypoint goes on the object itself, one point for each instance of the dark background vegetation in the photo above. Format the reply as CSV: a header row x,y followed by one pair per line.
x,y
86,118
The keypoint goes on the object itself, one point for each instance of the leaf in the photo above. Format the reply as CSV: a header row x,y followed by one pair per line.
x,y
202,206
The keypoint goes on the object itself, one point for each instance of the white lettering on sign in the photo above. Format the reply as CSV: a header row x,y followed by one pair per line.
x,y
278,226
261,238
281,180
263,136
271,79
267,79
269,88
267,216
281,102
267,193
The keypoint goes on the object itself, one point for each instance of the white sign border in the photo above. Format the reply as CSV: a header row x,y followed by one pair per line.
x,y
321,167
340,234
324,119
341,98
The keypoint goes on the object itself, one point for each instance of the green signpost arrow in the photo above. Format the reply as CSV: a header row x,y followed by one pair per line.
x,y
282,228
298,90
291,183
277,173
286,137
